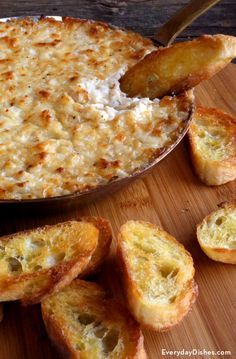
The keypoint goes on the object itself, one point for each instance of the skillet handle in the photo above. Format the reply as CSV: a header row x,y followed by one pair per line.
x,y
181,19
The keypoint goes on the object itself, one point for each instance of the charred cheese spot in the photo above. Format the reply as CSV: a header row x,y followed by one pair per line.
x,y
52,43
46,117
10,41
44,95
8,75
4,61
103,164
65,124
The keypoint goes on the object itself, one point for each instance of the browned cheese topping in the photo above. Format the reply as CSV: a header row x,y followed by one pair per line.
x,y
65,125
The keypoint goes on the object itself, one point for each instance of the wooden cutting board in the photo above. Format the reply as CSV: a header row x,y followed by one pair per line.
x,y
174,198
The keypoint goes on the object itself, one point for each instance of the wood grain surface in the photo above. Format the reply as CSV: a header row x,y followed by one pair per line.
x,y
171,196
174,198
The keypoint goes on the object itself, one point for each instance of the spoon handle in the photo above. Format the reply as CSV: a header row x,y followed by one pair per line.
x,y
181,19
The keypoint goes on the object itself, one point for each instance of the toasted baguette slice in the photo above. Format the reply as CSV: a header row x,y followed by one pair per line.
x,y
157,275
212,138
82,323
216,234
37,262
102,248
180,67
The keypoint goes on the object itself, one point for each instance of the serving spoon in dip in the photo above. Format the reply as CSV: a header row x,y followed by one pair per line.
x,y
179,67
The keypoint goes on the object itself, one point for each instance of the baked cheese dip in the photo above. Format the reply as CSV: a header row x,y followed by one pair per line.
x,y
65,125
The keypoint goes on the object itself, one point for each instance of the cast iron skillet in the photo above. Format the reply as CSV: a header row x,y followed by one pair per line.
x,y
70,201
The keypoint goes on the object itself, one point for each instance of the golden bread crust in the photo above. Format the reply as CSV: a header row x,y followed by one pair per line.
x,y
212,139
159,316
37,262
95,313
216,234
180,67
103,245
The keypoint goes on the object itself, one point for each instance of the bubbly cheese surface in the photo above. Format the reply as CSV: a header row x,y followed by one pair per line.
x,y
65,125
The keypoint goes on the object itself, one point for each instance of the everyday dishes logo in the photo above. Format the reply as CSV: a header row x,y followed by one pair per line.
x,y
194,351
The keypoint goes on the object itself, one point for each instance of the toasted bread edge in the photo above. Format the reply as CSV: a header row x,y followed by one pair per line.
x,y
212,173
223,255
150,315
58,276
103,246
55,331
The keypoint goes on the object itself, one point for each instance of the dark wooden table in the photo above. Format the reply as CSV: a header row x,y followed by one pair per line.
x,y
144,16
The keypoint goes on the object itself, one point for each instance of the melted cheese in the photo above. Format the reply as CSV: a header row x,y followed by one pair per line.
x,y
65,125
